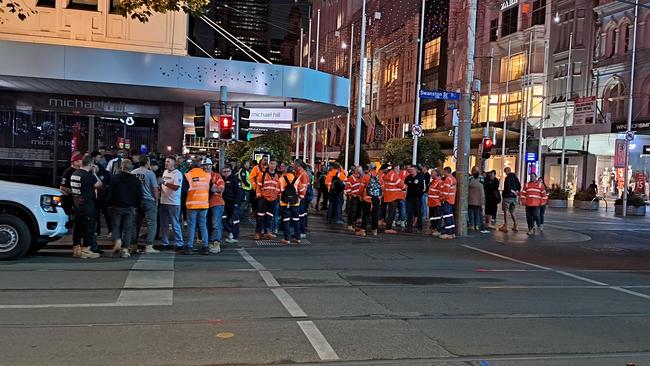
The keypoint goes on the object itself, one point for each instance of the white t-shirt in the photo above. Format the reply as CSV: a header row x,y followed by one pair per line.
x,y
169,196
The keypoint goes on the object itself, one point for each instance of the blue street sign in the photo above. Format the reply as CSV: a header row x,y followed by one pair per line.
x,y
439,94
531,157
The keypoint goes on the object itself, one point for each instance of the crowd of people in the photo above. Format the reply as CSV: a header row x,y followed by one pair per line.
x,y
133,191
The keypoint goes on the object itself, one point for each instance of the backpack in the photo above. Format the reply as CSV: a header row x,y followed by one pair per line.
x,y
289,194
337,186
116,167
374,187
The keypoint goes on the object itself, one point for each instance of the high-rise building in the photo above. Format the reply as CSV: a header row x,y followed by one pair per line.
x,y
270,27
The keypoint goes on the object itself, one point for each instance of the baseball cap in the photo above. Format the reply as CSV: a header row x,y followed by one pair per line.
x,y
76,156
206,161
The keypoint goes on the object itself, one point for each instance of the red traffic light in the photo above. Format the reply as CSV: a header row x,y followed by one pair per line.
x,y
226,121
487,144
225,127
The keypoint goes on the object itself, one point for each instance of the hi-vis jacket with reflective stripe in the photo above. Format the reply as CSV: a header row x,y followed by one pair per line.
x,y
352,186
533,194
448,191
198,194
393,187
434,192
268,186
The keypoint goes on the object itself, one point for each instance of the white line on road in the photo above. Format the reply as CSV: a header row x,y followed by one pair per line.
x,y
315,337
318,341
289,303
564,273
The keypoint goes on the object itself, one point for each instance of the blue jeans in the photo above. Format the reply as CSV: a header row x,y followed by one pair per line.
x,y
148,212
216,222
449,227
291,219
303,212
475,215
334,208
231,222
194,218
402,211
171,214
276,215
425,207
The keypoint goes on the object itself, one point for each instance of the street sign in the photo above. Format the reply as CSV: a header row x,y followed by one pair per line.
x,y
439,94
629,135
619,154
531,157
646,150
416,130
584,111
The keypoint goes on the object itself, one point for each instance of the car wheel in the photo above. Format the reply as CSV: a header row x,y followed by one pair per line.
x,y
15,238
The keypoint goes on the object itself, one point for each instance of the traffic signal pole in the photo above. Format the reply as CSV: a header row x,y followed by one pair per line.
x,y
416,120
464,126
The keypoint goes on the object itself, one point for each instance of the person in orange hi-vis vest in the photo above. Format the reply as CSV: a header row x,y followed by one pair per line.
x,y
253,177
365,202
533,196
335,182
448,198
393,187
542,208
289,205
352,185
197,186
217,206
383,206
435,203
268,189
303,211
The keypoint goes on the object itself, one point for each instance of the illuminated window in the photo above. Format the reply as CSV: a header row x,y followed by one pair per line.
x,y
494,108
428,119
432,54
517,67
339,20
535,98
391,71
510,106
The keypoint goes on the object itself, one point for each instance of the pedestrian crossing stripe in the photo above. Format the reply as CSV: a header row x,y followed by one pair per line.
x,y
277,243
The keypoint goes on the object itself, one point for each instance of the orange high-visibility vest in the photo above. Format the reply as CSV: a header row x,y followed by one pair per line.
x,y
393,187
533,194
352,186
448,192
198,195
433,193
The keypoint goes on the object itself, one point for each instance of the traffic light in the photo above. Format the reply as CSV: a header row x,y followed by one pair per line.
x,y
201,119
487,145
243,124
225,127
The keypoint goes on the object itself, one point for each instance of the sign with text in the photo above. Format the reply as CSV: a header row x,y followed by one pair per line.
x,y
621,126
271,119
646,150
439,94
619,153
531,157
507,4
584,111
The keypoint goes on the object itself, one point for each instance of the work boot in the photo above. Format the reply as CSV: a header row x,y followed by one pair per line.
x,y
257,236
150,250
390,231
76,251
503,228
269,236
446,237
86,253
360,232
374,233
285,242
204,250
435,233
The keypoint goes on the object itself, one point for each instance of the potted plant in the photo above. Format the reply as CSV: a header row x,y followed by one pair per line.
x,y
586,200
558,197
635,205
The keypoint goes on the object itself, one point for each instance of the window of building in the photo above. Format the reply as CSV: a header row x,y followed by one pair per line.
x,y
515,69
613,41
626,37
83,4
432,54
535,100
493,108
428,119
614,101
391,71
539,12
510,106
46,3
509,20
339,20
494,29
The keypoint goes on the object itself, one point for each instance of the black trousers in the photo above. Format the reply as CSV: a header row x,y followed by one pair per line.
x,y
391,210
413,210
352,210
84,229
103,209
375,208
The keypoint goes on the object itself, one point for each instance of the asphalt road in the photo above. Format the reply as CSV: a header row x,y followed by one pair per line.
x,y
577,295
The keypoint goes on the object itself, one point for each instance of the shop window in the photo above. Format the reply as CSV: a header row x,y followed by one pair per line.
x,y
432,54
428,119
515,70
83,5
509,20
539,12
494,29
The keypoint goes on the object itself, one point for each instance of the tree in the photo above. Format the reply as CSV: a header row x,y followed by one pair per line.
x,y
276,144
400,151
238,151
136,9
364,159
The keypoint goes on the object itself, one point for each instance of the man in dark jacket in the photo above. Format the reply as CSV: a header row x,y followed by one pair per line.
x,y
233,195
511,188
124,195
415,187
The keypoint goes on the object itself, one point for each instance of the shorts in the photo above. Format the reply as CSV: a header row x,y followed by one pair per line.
x,y
509,204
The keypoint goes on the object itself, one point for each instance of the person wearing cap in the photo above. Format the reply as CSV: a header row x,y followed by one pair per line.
x,y
197,191
217,206
148,210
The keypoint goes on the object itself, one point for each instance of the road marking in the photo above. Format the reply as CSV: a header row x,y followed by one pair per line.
x,y
145,298
318,341
316,338
257,265
269,279
289,303
563,273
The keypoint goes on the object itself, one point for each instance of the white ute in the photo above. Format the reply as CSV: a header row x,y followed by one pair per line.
x,y
30,217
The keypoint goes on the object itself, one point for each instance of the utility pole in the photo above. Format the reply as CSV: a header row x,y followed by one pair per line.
x,y
630,106
416,121
486,132
464,125
362,73
347,124
317,39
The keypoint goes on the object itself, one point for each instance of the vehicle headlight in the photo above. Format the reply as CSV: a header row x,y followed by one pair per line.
x,y
49,203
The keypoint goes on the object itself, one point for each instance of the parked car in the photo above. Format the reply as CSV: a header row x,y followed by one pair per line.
x,y
30,217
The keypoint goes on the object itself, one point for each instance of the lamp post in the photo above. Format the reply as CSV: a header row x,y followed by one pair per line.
x,y
567,95
362,72
629,108
347,124
419,85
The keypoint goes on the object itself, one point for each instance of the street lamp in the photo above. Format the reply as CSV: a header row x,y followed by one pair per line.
x,y
344,45
322,60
